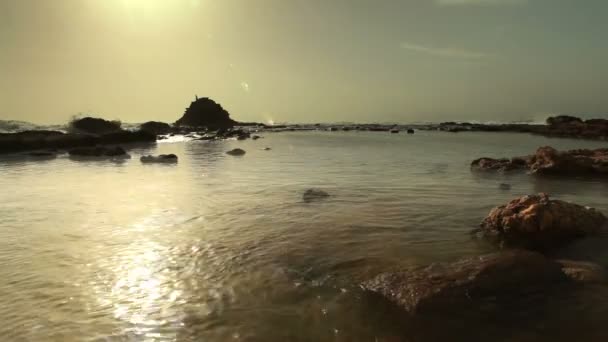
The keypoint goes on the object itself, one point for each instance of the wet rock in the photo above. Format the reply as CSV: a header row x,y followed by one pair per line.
x,y
255,137
98,151
502,165
549,161
394,130
536,221
163,158
94,126
236,152
314,195
155,127
582,271
470,282
204,112
410,131
267,149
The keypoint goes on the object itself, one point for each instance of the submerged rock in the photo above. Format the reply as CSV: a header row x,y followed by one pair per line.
x,y
314,194
267,149
236,152
163,158
539,222
470,282
204,112
255,137
502,165
98,151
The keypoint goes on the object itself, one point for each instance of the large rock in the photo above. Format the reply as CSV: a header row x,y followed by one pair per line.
x,y
156,127
548,160
470,282
204,112
536,221
94,126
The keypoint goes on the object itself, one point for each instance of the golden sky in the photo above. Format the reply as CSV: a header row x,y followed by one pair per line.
x,y
303,60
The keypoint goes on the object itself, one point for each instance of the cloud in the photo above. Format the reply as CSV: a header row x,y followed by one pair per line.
x,y
444,52
479,2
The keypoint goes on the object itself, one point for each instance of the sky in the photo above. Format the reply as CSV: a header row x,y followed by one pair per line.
x,y
304,60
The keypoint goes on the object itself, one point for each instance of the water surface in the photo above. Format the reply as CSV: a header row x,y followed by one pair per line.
x,y
220,248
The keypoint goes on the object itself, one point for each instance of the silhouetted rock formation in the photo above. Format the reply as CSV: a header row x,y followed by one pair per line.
x,y
98,151
549,161
204,112
94,126
314,195
156,127
536,221
562,119
39,140
236,152
469,283
163,158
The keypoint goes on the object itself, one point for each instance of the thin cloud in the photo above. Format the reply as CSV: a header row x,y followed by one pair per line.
x,y
479,2
443,52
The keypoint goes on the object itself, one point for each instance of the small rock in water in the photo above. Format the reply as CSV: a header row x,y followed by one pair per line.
x,y
255,137
410,131
236,152
314,194
163,158
267,149
504,186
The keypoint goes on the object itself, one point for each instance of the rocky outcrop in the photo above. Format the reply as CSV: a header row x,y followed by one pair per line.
x,y
163,158
236,152
44,140
563,119
469,282
549,161
204,112
538,222
98,151
94,126
314,195
155,127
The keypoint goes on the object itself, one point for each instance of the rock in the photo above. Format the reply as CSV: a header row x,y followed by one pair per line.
x,y
314,194
504,186
536,221
502,165
255,137
585,272
42,155
267,149
236,152
156,128
333,129
94,126
470,282
38,140
410,131
547,161
204,112
98,151
163,158
394,130
562,119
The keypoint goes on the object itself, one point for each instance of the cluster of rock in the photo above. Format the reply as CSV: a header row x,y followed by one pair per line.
x,y
534,222
549,161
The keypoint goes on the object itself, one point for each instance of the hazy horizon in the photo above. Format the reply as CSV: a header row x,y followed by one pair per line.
x,y
304,61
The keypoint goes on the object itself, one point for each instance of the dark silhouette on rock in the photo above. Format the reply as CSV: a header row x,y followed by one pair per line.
x,y
549,161
538,222
236,152
314,195
204,112
163,158
98,151
94,126
470,282
156,127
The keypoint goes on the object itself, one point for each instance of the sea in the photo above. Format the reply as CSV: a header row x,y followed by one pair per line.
x,y
224,248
